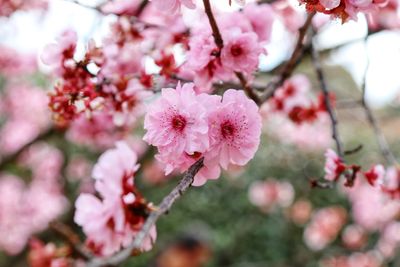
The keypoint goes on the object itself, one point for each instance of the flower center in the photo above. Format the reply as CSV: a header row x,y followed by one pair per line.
x,y
236,50
227,129
178,123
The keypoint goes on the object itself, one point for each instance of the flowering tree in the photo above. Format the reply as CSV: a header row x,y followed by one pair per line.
x,y
176,88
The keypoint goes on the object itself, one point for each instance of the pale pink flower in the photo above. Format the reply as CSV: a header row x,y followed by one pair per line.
x,y
334,166
389,239
121,7
54,54
261,18
371,207
270,194
324,227
235,129
174,5
110,223
97,132
115,167
241,51
121,61
177,122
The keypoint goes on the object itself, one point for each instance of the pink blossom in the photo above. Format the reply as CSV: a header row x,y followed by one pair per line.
x,y
174,5
270,194
121,61
376,175
177,122
324,227
235,129
97,131
261,18
371,207
121,7
334,166
115,167
354,237
241,51
58,55
111,223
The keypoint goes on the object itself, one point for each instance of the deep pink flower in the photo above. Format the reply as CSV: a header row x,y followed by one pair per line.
x,y
241,51
376,175
235,129
334,166
177,122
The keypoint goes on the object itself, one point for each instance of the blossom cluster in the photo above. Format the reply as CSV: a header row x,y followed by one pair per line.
x,y
344,9
244,36
386,180
294,118
186,126
112,221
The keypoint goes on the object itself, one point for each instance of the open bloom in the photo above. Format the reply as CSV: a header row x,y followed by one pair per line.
x,y
177,122
112,221
241,51
334,166
114,167
235,129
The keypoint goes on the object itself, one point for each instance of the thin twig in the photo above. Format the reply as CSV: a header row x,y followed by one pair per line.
x,y
290,65
380,137
73,239
214,26
332,115
164,207
247,88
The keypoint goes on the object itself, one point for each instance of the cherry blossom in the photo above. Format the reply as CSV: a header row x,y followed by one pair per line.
x,y
334,166
112,221
174,5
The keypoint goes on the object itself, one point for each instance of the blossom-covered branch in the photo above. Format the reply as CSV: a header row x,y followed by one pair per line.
x,y
163,208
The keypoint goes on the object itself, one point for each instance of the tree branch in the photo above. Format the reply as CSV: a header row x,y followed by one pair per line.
x,y
164,207
214,26
73,239
380,137
291,64
332,115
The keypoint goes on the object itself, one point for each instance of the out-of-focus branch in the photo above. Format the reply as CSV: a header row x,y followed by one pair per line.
x,y
141,7
332,115
291,64
247,88
95,8
163,208
12,157
380,137
214,26
73,239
